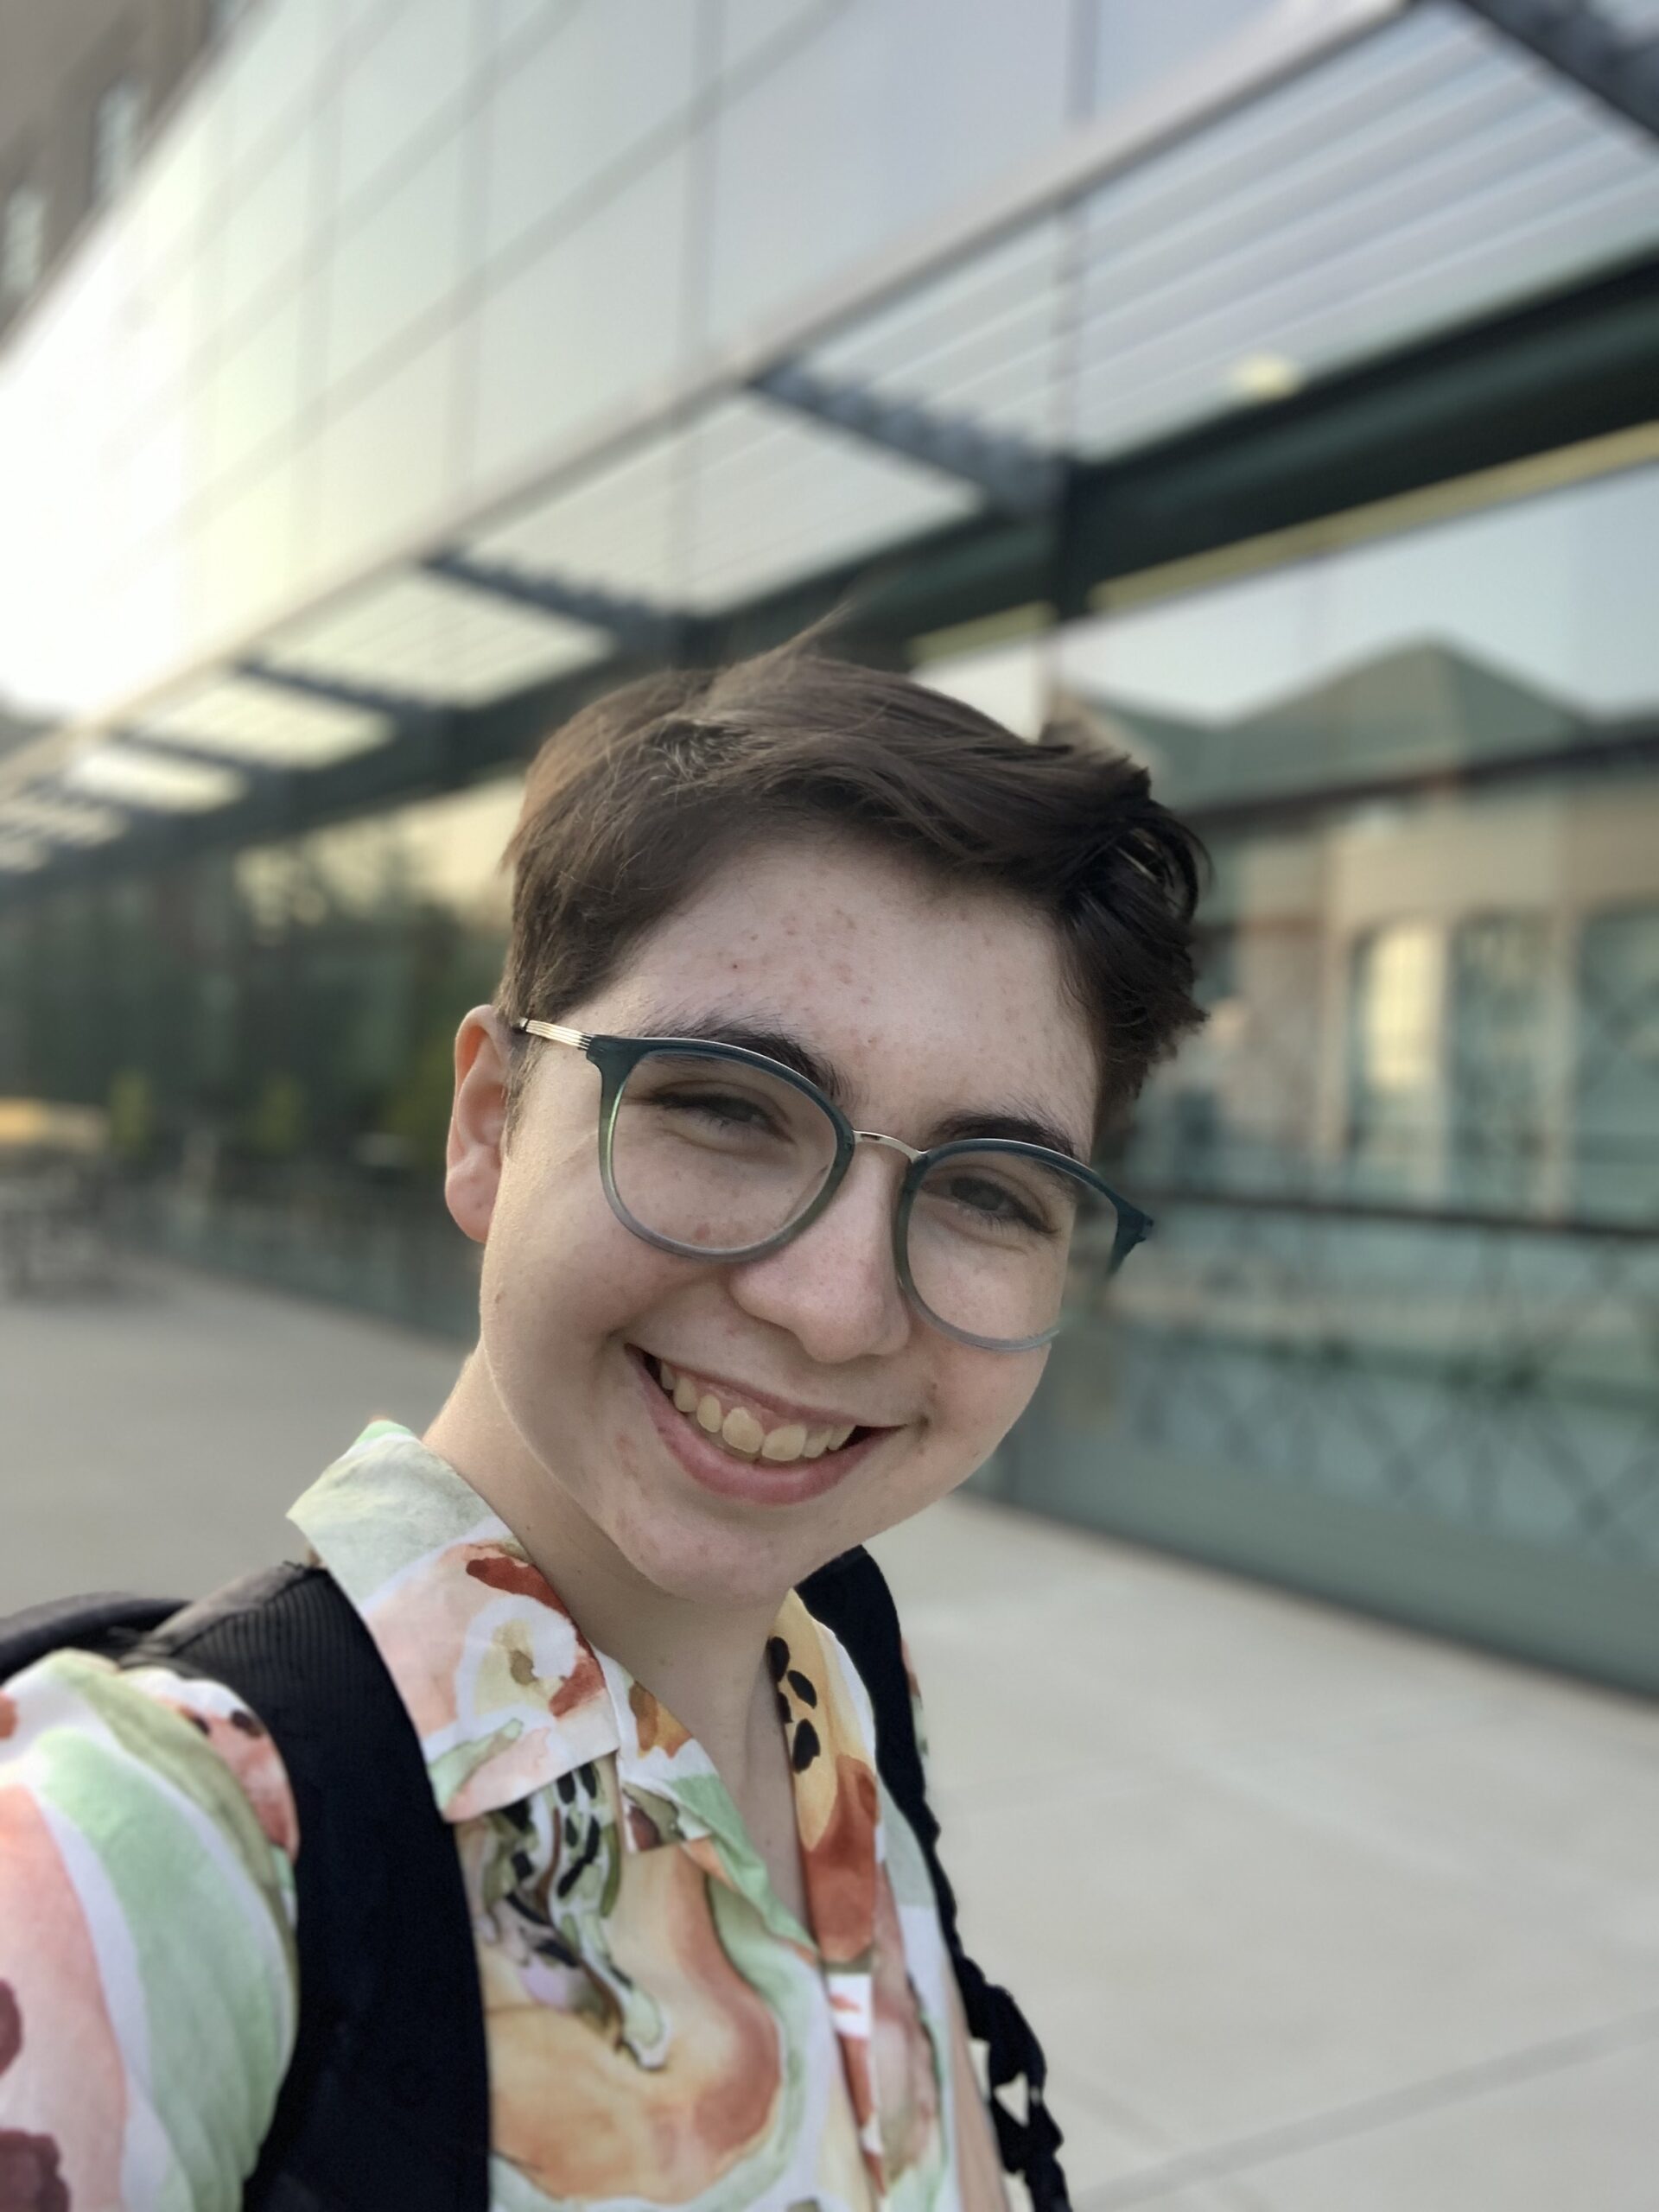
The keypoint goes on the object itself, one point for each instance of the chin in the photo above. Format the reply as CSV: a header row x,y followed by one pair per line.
x,y
702,1562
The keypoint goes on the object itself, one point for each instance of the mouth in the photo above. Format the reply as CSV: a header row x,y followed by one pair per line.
x,y
744,1447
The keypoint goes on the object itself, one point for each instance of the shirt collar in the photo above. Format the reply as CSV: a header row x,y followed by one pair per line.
x,y
507,1695
505,1692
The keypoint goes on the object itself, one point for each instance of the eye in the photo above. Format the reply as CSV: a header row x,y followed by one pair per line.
x,y
725,1107
992,1202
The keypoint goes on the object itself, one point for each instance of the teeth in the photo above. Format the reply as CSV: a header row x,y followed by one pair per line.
x,y
741,1432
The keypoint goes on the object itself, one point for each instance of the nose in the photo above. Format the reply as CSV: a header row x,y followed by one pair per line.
x,y
834,1286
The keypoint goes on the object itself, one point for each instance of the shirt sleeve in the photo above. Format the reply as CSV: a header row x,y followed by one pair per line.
x,y
148,1975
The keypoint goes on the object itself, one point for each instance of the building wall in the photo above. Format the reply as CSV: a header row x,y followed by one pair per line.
x,y
56,61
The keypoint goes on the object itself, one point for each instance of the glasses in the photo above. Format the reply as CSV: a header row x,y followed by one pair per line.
x,y
716,1152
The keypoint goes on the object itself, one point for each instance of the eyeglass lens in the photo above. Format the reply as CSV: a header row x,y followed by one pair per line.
x,y
717,1156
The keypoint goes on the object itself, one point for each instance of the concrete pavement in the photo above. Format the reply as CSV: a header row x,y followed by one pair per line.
x,y
1314,1914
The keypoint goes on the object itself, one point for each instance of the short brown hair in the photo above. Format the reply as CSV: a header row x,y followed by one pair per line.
x,y
636,800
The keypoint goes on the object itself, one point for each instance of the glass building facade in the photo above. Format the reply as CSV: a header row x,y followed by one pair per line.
x,y
1395,1335
1269,389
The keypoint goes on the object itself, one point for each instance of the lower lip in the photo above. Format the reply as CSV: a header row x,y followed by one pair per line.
x,y
757,1482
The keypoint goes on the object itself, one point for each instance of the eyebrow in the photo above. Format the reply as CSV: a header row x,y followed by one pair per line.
x,y
1021,1120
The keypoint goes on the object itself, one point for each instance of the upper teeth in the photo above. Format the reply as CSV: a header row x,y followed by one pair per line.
x,y
745,1432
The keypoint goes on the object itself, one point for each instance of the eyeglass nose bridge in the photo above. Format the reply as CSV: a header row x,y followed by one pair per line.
x,y
908,1152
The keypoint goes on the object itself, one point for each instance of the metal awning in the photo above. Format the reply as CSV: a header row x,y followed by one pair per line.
x,y
1338,187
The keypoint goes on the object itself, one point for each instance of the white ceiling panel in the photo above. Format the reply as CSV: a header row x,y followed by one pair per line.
x,y
417,637
619,530
778,497
246,719
127,775
1434,172
39,814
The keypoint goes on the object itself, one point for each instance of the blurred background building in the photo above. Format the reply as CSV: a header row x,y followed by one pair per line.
x,y
1272,385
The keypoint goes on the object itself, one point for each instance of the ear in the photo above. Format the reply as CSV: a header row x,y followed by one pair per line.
x,y
477,1121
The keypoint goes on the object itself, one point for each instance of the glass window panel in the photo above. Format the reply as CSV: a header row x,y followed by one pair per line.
x,y
889,117
1137,47
1397,1036
254,392
1616,1077
244,550
1498,1039
23,243
1515,629
584,104
595,321
754,32
265,230
1434,167
381,464
396,266
117,119
415,62
269,72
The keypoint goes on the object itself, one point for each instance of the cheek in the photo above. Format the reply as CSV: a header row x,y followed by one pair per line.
x,y
979,1397
559,1268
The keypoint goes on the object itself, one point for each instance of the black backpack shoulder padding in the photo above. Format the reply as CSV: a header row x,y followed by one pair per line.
x,y
386,2101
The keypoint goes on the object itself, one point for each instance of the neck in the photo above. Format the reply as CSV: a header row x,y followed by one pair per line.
x,y
705,1663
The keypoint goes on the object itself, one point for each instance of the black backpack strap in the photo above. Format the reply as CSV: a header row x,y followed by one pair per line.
x,y
387,2101
850,1595
106,1621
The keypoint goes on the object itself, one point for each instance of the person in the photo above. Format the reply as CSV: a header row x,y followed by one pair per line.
x,y
820,990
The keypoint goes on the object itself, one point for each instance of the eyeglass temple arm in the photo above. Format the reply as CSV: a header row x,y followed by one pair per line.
x,y
554,1032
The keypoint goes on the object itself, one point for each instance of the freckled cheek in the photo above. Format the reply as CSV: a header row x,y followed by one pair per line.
x,y
974,1404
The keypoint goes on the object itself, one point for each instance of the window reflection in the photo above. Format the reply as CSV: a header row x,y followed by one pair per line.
x,y
1406,1181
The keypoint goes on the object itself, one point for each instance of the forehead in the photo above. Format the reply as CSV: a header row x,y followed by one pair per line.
x,y
924,994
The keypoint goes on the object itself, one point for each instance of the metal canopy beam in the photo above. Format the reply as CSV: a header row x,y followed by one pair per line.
x,y
1550,374
636,625
1016,477
1580,43
1279,46
340,691
264,775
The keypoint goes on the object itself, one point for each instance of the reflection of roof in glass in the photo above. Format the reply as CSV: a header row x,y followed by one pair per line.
x,y
1431,173
1418,708
749,498
1336,181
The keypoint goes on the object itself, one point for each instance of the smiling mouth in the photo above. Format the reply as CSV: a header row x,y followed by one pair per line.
x,y
723,1419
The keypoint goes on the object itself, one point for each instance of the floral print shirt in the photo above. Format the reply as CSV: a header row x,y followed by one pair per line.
x,y
659,2026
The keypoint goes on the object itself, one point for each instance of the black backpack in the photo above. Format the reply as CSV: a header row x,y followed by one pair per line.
x,y
386,2100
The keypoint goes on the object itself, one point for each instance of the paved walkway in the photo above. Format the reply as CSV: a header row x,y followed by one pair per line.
x,y
1314,1914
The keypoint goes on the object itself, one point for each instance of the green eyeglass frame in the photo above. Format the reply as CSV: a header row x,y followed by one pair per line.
x,y
616,1058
